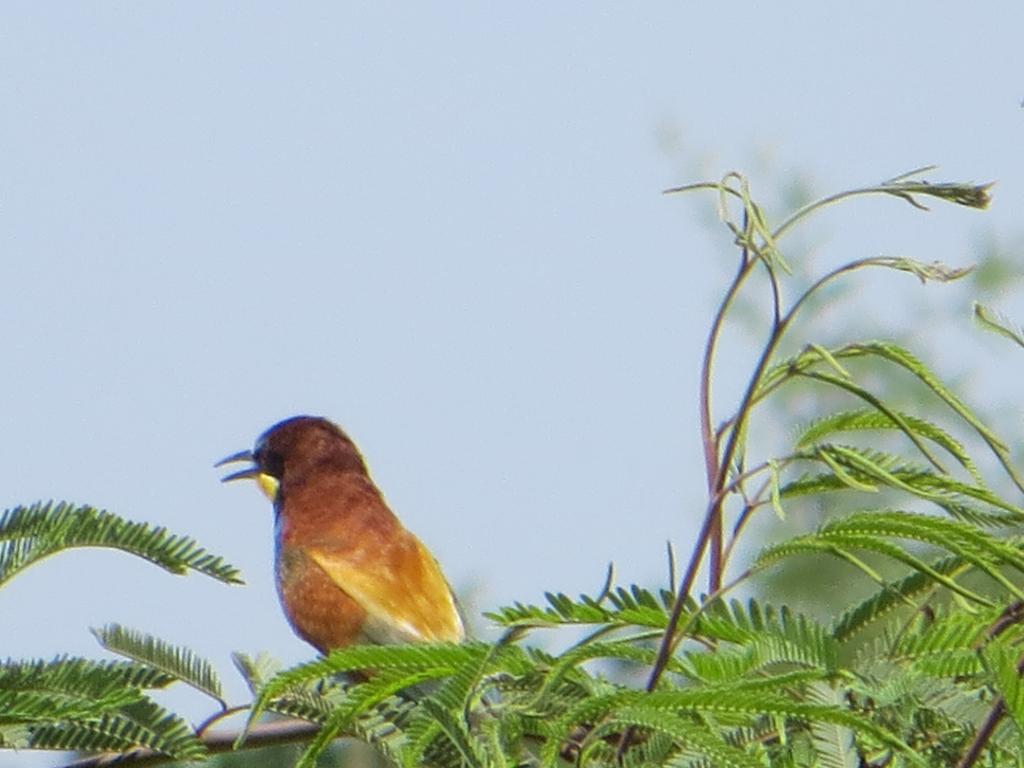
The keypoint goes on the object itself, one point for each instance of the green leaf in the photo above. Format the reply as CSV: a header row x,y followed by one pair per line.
x,y
622,606
840,544
694,739
72,703
970,195
29,534
771,636
899,593
425,662
358,699
1002,661
834,743
144,725
992,321
864,468
255,670
872,419
892,353
455,730
730,701
177,661
974,545
70,688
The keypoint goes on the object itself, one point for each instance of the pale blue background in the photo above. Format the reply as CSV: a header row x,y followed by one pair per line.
x,y
440,226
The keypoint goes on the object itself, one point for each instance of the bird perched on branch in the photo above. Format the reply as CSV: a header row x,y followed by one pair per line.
x,y
347,570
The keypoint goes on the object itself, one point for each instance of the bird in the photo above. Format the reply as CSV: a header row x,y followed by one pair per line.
x,y
348,572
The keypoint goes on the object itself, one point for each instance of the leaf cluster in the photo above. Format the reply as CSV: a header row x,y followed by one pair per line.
x,y
81,704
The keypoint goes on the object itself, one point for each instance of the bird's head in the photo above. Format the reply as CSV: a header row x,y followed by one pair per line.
x,y
290,449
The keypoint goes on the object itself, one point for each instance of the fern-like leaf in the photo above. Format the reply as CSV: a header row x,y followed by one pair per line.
x,y
874,419
177,661
29,534
893,595
144,725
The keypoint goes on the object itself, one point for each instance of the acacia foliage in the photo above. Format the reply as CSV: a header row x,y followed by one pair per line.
x,y
922,503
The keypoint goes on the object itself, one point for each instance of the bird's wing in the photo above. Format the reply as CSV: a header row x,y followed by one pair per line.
x,y
406,597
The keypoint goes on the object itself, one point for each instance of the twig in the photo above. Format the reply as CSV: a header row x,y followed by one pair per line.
x,y
709,439
1011,615
262,735
215,718
974,751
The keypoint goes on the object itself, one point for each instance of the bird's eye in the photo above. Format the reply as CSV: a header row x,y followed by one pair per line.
x,y
269,462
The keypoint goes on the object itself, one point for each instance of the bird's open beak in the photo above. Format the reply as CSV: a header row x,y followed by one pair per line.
x,y
267,484
242,474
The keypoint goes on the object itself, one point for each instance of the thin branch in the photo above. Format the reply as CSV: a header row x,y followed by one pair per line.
x,y
1012,614
749,508
263,735
216,717
981,740
709,439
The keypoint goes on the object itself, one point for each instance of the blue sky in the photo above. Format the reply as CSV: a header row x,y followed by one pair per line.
x,y
441,227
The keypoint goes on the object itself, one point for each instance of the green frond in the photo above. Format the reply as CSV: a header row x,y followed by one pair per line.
x,y
861,467
144,725
641,607
443,658
808,359
908,361
724,666
970,195
455,730
391,664
852,467
377,727
894,595
305,704
968,512
903,187
842,544
31,706
29,534
870,530
1002,661
73,703
771,636
946,489
255,670
873,419
460,693
901,357
655,749
923,271
84,677
69,688
631,606
356,701
876,404
730,701
625,649
943,649
937,531
993,321
177,661
693,740
834,744
976,546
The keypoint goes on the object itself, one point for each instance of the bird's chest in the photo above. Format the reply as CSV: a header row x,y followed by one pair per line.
x,y
318,610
